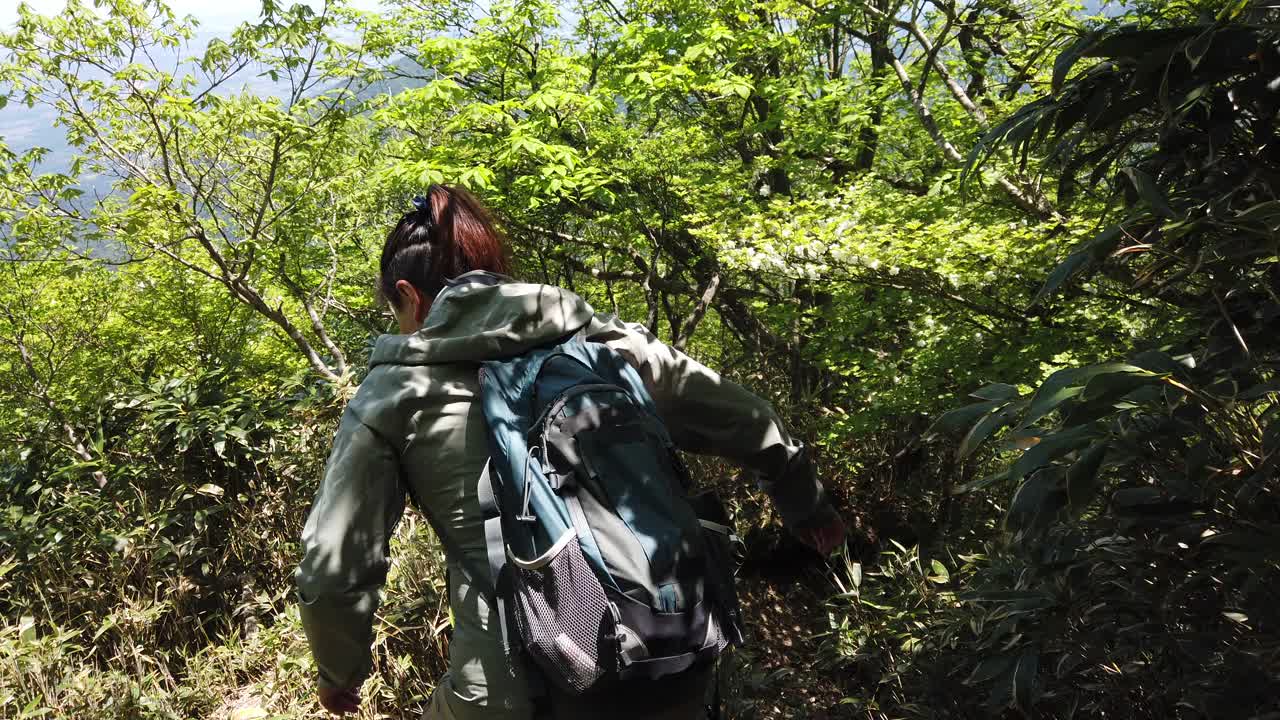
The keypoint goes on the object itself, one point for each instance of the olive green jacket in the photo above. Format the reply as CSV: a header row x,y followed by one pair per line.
x,y
416,426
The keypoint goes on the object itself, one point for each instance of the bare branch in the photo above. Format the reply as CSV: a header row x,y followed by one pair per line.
x,y
317,325
699,310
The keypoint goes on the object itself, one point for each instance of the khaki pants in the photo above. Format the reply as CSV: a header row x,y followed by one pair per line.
x,y
683,697
446,705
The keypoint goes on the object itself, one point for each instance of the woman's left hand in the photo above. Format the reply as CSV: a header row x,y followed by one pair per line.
x,y
339,701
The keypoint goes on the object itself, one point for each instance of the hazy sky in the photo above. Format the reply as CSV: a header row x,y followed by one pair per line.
x,y
214,15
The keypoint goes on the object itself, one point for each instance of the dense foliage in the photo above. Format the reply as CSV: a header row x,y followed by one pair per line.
x,y
866,210
1146,488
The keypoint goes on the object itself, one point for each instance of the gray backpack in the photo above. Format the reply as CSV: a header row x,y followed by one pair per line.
x,y
599,558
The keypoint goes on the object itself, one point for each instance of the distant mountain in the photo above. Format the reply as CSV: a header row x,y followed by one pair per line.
x,y
23,128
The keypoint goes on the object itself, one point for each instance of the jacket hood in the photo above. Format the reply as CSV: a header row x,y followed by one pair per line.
x,y
482,316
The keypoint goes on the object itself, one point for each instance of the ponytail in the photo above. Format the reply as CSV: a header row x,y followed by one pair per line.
x,y
448,233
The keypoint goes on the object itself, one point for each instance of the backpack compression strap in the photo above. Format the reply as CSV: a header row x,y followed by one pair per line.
x,y
495,547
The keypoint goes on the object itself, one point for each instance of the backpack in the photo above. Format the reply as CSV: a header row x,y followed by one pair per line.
x,y
599,558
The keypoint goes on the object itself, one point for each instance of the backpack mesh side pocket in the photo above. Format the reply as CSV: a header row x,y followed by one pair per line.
x,y
722,562
560,612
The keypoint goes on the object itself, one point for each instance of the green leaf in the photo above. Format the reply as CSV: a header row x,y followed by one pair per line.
x,y
1259,391
1267,213
1160,362
1087,253
1036,504
980,483
991,668
1050,395
1068,58
1082,477
984,428
1199,47
1062,273
211,490
1127,498
1110,385
27,629
1064,385
997,391
1007,596
1024,679
1050,448
1151,46
30,710
963,417
1149,192
103,628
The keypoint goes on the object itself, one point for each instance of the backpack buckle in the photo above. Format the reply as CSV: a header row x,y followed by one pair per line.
x,y
615,635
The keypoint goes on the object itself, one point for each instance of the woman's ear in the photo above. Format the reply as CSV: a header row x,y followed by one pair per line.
x,y
408,295
413,303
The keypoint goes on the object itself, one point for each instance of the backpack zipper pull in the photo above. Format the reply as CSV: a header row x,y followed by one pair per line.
x,y
525,515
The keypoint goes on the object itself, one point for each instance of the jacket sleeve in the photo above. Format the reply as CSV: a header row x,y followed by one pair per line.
x,y
345,547
708,414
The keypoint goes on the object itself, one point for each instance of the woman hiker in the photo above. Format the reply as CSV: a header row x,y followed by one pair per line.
x,y
415,428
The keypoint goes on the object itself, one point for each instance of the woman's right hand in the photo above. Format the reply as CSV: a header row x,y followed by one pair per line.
x,y
825,536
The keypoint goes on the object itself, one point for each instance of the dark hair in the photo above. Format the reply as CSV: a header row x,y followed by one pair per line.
x,y
450,234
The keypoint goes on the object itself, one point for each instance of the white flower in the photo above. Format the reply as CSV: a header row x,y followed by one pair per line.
x,y
893,270
874,264
765,190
